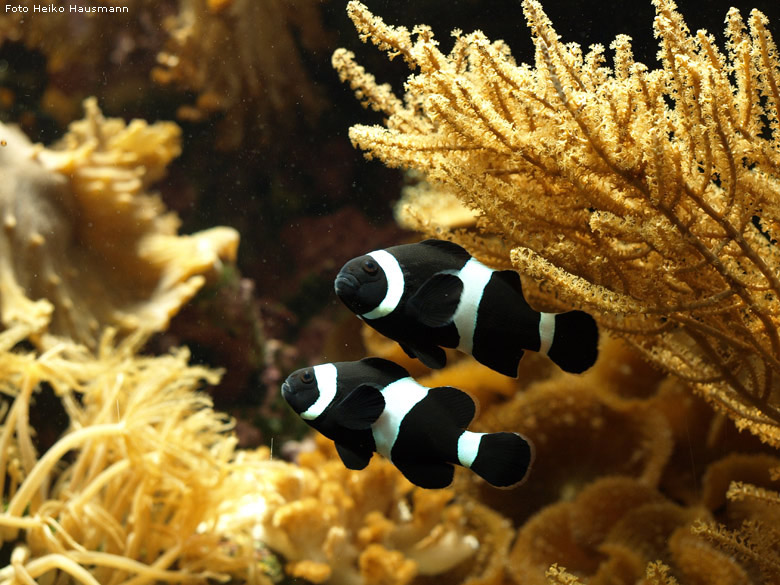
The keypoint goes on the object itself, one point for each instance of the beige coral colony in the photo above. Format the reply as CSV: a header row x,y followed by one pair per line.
x,y
649,198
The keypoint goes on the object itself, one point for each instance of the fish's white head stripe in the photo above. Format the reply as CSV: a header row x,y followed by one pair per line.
x,y
327,383
468,447
475,277
395,284
400,397
546,331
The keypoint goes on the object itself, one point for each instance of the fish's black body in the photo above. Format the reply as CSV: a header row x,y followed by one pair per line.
x,y
434,294
374,405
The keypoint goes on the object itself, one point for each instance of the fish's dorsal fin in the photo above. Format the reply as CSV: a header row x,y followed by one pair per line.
x,y
434,303
449,247
386,366
432,356
359,409
354,458
426,474
456,403
511,278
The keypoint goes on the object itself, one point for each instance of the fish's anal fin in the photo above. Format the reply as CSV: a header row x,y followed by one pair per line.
x,y
427,474
432,356
359,409
458,405
353,459
446,246
434,303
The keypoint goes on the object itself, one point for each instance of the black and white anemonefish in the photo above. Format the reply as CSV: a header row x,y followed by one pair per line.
x,y
374,405
434,294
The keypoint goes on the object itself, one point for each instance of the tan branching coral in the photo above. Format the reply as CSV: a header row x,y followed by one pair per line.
x,y
87,43
647,197
425,209
242,57
84,244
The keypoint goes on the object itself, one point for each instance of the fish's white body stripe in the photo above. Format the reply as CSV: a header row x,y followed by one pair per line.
x,y
475,277
400,397
327,383
546,331
468,447
395,284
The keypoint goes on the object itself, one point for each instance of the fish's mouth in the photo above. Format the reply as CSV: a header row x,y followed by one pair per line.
x,y
346,284
285,389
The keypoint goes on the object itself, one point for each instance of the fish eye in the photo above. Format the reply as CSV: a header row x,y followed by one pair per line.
x,y
369,266
307,377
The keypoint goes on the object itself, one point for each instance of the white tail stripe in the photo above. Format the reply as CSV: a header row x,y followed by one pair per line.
x,y
475,277
546,331
468,447
395,284
327,383
400,397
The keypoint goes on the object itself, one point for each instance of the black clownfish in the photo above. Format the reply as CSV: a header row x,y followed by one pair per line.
x,y
434,294
374,405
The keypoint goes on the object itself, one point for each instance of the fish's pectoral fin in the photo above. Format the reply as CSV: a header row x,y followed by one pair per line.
x,y
456,403
434,303
432,356
449,247
427,474
354,458
360,408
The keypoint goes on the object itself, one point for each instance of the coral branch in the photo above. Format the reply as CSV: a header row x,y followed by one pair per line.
x,y
647,197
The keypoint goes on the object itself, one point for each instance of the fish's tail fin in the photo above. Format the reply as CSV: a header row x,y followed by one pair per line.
x,y
501,459
575,344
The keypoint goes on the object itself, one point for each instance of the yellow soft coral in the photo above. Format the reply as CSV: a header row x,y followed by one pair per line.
x,y
626,191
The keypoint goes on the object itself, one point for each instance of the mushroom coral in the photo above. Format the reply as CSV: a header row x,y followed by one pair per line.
x,y
84,245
